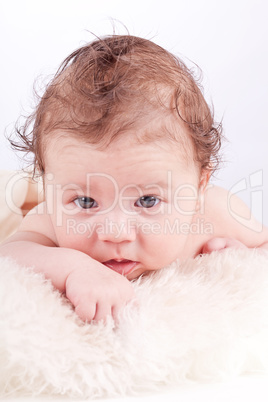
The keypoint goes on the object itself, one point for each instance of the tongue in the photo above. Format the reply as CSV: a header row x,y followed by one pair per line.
x,y
122,267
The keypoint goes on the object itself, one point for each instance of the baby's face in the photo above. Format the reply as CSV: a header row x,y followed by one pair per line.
x,y
129,206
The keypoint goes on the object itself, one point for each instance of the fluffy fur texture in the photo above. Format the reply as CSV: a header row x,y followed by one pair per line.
x,y
204,320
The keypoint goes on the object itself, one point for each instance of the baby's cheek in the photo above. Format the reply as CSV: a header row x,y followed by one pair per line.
x,y
74,234
165,247
185,201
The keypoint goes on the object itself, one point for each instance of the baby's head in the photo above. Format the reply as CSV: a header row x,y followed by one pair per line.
x,y
119,83
126,142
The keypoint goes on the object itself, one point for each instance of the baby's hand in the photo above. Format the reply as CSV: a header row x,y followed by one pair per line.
x,y
220,243
97,292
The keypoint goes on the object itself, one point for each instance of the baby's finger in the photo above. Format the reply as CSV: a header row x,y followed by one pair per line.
x,y
118,308
215,244
102,311
116,311
86,311
221,243
234,243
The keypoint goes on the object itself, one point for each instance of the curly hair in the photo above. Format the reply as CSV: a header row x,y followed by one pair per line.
x,y
110,85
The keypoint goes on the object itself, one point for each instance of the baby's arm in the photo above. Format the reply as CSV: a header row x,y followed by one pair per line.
x,y
233,223
95,290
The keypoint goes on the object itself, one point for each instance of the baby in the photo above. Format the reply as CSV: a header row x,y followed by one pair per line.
x,y
125,144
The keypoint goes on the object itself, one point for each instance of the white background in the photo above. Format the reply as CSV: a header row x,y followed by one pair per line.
x,y
227,39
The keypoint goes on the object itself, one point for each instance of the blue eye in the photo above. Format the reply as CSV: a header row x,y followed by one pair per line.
x,y
147,201
85,202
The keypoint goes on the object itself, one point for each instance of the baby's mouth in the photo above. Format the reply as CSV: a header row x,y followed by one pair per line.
x,y
122,267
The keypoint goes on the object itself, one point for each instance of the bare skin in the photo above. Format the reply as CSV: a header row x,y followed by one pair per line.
x,y
95,271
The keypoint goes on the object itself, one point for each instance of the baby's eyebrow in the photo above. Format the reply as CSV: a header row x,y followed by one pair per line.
x,y
161,184
74,186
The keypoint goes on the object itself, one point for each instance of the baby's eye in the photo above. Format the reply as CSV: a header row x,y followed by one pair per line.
x,y
147,201
85,202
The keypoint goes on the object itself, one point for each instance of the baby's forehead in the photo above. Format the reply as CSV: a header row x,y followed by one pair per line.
x,y
144,153
125,163
157,127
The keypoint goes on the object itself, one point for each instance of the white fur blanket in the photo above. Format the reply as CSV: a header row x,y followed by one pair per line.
x,y
206,320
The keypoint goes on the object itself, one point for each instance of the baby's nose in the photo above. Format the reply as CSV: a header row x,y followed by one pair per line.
x,y
117,231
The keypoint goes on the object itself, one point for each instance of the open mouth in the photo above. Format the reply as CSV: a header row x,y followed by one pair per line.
x,y
122,267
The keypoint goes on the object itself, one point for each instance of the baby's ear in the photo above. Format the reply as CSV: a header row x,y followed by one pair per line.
x,y
204,179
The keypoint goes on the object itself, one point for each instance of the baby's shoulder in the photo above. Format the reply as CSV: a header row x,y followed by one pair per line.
x,y
218,199
39,221
230,216
223,203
